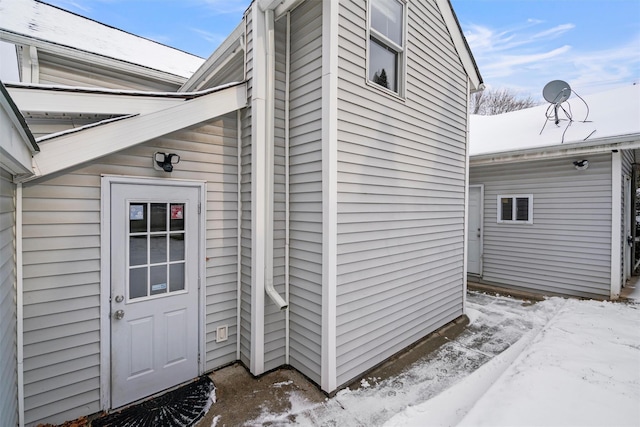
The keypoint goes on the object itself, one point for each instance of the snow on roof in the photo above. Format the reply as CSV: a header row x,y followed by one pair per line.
x,y
611,113
45,22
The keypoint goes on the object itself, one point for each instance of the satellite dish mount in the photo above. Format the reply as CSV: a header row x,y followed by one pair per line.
x,y
556,92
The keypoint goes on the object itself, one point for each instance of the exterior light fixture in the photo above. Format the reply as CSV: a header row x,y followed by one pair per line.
x,y
165,161
581,164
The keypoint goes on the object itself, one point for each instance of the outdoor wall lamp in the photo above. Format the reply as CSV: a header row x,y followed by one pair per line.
x,y
165,161
581,164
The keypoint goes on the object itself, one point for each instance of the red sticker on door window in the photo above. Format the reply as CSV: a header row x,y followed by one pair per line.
x,y
177,211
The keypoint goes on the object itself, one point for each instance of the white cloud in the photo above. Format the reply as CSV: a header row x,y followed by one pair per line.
x,y
214,38
224,7
526,56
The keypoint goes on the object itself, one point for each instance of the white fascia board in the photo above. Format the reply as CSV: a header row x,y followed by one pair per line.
x,y
45,100
220,57
89,57
622,142
16,141
464,52
72,149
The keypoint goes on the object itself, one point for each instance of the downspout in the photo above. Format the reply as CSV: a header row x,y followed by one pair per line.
x,y
269,151
19,306
287,67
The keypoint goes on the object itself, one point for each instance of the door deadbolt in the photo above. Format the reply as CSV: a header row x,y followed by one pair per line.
x,y
119,298
118,315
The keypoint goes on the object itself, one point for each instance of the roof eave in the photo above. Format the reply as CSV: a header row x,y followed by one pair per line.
x,y
601,145
462,47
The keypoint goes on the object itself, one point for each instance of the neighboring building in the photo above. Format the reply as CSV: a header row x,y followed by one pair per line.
x,y
551,207
315,219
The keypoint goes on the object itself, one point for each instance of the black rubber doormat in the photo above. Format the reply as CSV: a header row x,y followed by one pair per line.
x,y
182,407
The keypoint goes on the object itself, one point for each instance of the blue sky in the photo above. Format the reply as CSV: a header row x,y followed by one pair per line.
x,y
518,44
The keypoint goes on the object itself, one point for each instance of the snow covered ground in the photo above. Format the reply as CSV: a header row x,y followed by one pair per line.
x,y
558,362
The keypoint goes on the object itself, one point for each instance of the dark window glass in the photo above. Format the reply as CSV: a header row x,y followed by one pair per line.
x,y
137,250
383,65
176,278
177,217
176,247
158,279
137,282
522,209
507,208
138,218
158,248
158,217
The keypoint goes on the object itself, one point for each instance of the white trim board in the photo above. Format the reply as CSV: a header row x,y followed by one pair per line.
x,y
72,149
616,223
329,194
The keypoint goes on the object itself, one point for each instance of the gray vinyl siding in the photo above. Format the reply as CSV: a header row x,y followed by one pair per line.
x,y
8,319
305,271
61,227
274,339
567,249
57,70
401,187
245,186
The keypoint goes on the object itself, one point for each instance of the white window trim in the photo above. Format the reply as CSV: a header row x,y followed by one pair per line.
x,y
514,197
402,51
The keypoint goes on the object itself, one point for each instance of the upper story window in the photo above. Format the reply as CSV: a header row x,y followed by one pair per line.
x,y
515,209
387,44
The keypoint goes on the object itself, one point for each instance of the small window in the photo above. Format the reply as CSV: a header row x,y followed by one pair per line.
x,y
387,44
515,209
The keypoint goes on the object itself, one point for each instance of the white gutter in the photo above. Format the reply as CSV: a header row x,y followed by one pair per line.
x,y
622,142
19,306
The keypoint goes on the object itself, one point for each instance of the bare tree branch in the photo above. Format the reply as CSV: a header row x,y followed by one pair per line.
x,y
497,101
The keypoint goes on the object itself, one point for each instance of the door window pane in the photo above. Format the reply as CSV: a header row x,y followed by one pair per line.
x,y
158,248
137,250
138,218
158,217
177,217
137,282
176,247
158,279
176,278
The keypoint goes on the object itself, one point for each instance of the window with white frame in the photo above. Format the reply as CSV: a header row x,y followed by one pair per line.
x,y
515,208
387,44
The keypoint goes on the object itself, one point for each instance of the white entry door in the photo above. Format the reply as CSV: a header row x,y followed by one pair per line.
x,y
474,234
154,289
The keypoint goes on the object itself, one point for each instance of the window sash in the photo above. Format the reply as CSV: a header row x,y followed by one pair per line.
x,y
387,33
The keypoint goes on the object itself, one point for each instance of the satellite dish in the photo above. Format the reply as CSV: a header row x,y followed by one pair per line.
x,y
556,91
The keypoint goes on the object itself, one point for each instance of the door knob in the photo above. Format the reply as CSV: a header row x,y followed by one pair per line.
x,y
118,314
